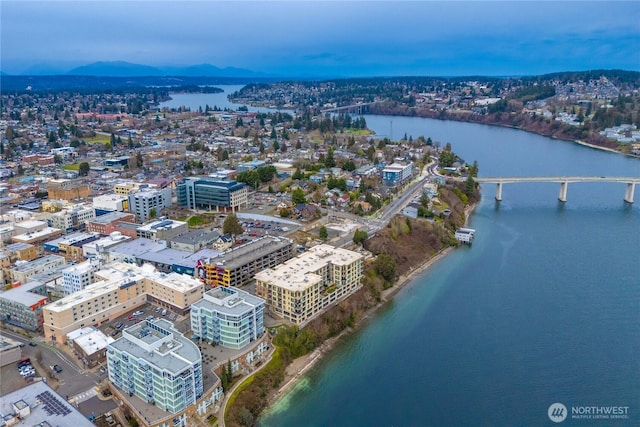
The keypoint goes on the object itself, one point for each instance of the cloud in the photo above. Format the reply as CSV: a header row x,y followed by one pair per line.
x,y
348,37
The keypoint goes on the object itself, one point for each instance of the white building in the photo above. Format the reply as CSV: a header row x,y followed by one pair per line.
x,y
79,276
228,316
73,218
143,202
155,362
111,202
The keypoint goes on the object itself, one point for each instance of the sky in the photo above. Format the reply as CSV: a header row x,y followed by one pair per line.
x,y
324,38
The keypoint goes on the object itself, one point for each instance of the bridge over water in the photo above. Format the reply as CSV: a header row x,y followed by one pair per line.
x,y
564,183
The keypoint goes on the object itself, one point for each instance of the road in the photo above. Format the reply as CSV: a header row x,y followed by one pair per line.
x,y
72,380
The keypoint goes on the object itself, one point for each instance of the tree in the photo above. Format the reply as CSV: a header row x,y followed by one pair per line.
x,y
232,225
276,146
385,266
323,234
469,185
153,213
360,236
139,160
298,196
83,169
329,161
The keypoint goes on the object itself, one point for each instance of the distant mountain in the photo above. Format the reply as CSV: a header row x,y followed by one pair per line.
x,y
128,69
115,69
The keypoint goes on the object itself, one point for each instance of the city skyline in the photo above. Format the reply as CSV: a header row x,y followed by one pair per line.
x,y
308,38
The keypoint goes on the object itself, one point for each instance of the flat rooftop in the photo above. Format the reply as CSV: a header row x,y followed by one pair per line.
x,y
71,239
40,234
25,294
229,300
238,256
110,217
39,262
299,273
159,344
166,224
46,406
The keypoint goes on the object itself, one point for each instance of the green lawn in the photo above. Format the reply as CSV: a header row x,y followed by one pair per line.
x,y
100,138
73,167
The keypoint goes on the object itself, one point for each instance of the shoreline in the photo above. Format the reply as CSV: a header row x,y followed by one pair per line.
x,y
298,367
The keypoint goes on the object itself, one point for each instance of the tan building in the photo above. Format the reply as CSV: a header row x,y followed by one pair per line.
x,y
20,251
107,223
68,189
304,286
120,288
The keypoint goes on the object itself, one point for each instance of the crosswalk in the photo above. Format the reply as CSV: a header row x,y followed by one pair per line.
x,y
85,395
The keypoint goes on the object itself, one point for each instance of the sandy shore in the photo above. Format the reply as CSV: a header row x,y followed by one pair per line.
x,y
296,369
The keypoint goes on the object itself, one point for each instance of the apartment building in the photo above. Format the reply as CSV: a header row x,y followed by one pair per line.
x,y
156,363
22,305
73,218
79,276
397,173
303,287
119,287
229,317
148,204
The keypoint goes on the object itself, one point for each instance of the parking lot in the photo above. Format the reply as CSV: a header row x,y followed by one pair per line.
x,y
114,327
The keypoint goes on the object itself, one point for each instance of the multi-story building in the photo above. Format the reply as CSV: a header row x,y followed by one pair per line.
x,y
144,203
110,203
303,287
37,237
23,270
124,188
238,265
162,229
397,173
213,195
73,218
107,223
20,251
102,245
79,276
229,317
119,288
155,362
68,189
22,306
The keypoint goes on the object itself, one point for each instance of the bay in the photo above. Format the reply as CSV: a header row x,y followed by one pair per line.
x,y
543,308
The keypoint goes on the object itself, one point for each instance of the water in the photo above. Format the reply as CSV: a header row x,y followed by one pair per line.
x,y
195,100
543,308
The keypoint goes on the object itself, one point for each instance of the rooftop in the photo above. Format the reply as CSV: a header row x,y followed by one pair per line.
x,y
45,406
298,273
159,344
236,257
93,341
165,224
229,300
110,217
38,263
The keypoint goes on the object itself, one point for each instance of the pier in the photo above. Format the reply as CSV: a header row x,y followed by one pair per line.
x,y
564,183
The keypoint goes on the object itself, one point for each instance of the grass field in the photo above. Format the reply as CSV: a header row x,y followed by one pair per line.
x,y
100,138
74,167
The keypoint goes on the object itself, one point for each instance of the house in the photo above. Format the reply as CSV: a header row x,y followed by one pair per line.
x,y
223,242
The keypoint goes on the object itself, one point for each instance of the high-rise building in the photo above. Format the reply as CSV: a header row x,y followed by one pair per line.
x,y
147,204
229,317
155,362
303,287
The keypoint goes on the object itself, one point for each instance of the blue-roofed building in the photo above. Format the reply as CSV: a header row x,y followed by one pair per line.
x,y
213,195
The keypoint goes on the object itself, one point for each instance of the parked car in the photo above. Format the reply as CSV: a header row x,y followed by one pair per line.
x,y
131,317
164,312
150,317
158,309
32,343
119,325
57,368
138,313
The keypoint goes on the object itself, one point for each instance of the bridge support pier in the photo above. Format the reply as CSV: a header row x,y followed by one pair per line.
x,y
563,191
499,192
628,193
